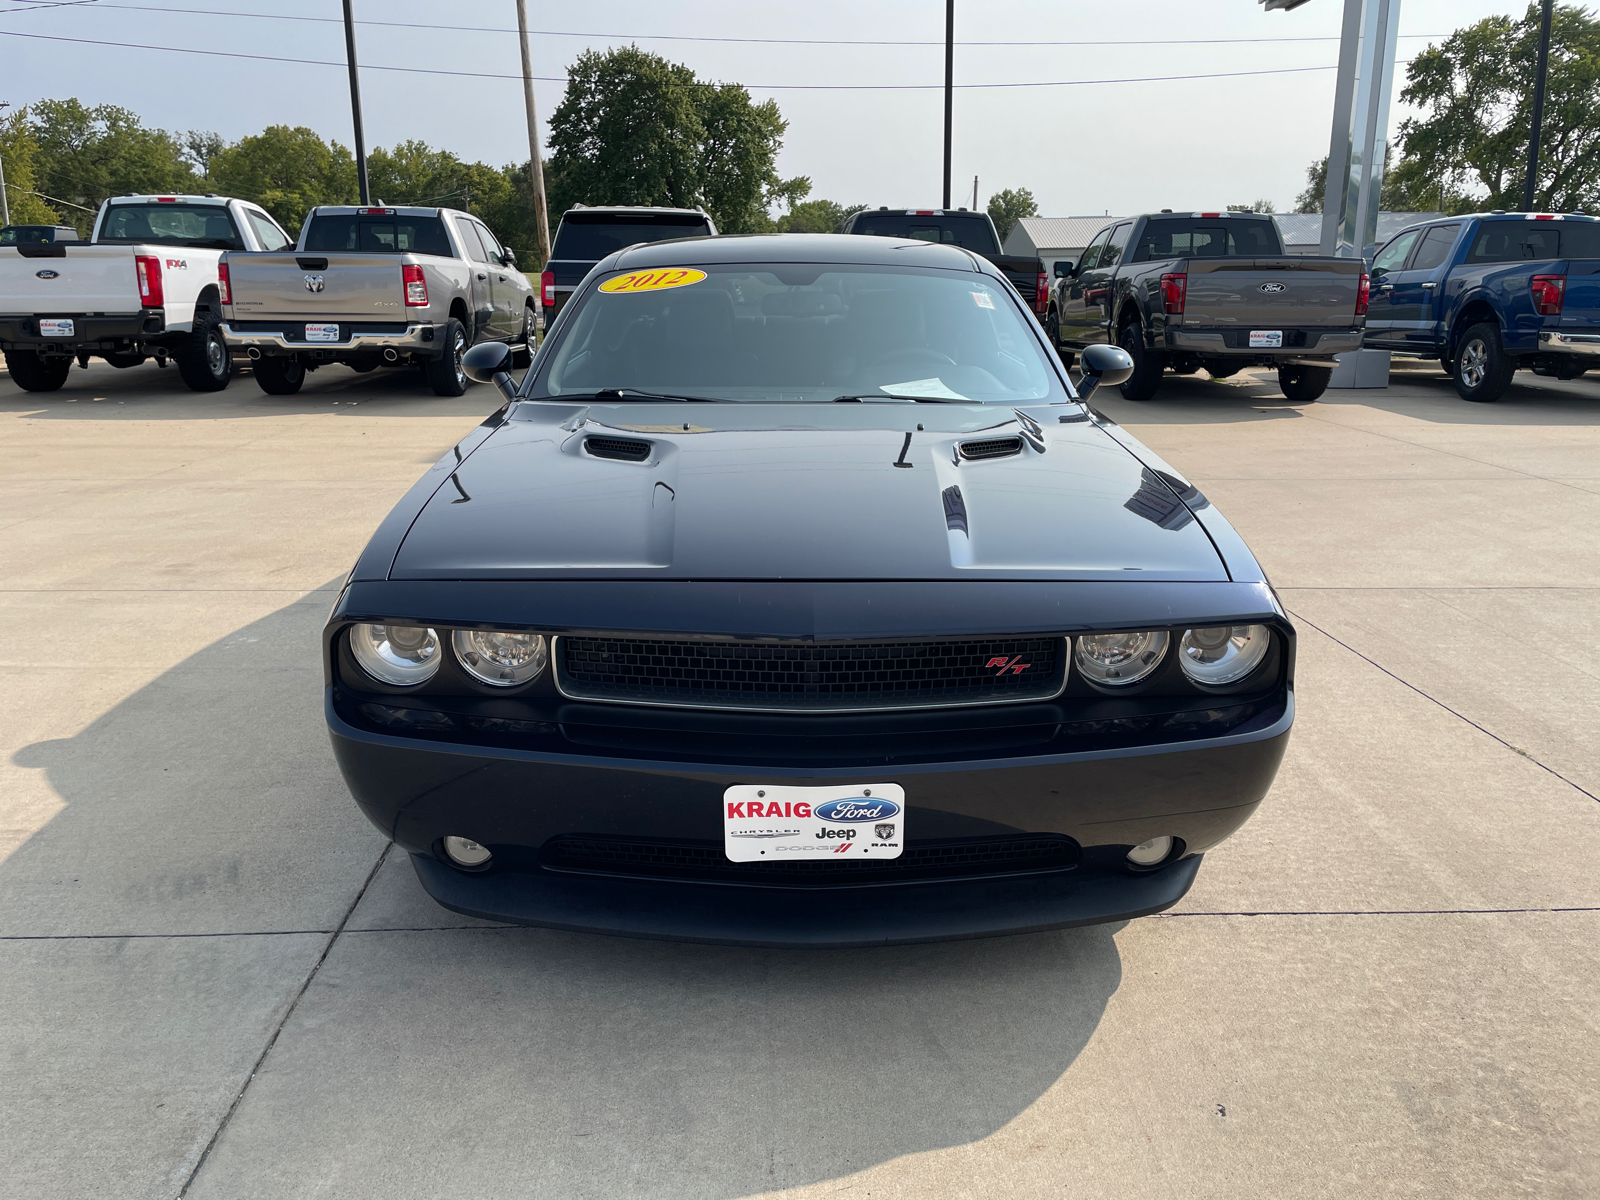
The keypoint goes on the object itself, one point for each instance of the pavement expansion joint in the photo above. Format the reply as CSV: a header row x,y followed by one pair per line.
x,y
284,1020
1460,716
1380,912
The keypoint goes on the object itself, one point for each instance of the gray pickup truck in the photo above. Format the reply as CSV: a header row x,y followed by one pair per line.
x,y
372,287
1182,291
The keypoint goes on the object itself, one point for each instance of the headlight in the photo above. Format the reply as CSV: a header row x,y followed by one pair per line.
x,y
1223,653
397,654
1118,659
499,658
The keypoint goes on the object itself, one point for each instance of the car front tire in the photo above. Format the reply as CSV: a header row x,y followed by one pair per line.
x,y
1482,368
1147,367
279,376
1303,384
446,376
522,359
203,360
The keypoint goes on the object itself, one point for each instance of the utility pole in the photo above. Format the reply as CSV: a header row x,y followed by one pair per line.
x,y
974,193
1538,107
5,203
949,87
355,104
541,215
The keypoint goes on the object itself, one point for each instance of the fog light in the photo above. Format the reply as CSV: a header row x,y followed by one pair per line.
x,y
465,852
1145,854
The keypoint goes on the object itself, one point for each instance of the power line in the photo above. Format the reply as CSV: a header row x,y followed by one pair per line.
x,y
665,37
760,87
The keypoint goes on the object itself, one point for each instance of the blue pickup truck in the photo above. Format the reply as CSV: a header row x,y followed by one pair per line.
x,y
1489,293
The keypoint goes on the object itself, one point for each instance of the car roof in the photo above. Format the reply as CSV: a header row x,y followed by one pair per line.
x,y
171,198
635,210
840,248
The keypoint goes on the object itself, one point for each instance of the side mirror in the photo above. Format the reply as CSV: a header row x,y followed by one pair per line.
x,y
510,256
1064,270
1103,364
488,363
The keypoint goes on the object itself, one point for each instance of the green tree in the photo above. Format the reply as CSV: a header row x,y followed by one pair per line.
x,y
816,216
1396,195
286,171
19,155
1008,207
1469,149
87,155
1260,206
633,128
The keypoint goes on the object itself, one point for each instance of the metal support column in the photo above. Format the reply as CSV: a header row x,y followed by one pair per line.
x,y
355,104
1360,127
949,88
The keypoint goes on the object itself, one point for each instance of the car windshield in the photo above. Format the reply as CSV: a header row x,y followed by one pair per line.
x,y
801,333
171,225
594,238
380,234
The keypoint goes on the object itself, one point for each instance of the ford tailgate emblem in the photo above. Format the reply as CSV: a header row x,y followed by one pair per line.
x,y
48,274
313,283
1272,287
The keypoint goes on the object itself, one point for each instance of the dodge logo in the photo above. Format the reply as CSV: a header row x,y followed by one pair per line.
x,y
1272,287
313,283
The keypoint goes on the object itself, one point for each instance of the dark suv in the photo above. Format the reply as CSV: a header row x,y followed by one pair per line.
x,y
972,231
587,234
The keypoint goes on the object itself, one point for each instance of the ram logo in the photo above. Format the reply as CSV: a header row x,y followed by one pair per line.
x,y
314,283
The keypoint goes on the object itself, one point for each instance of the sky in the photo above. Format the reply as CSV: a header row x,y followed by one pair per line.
x,y
1083,148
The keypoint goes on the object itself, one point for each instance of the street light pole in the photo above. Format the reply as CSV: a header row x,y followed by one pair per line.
x,y
541,215
1538,107
949,87
355,104
5,203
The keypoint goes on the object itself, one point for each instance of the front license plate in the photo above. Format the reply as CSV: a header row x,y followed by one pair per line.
x,y
330,333
1266,339
57,328
811,824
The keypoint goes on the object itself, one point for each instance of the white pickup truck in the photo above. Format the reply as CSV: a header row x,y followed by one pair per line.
x,y
145,285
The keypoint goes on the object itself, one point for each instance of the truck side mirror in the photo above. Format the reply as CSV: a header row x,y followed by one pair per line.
x,y
510,256
1103,363
488,363
1064,270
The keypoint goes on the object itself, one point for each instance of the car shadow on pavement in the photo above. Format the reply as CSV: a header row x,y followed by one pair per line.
x,y
437,1053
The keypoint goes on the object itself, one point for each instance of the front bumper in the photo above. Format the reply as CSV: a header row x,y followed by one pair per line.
x,y
1234,343
92,332
1554,341
515,801
289,338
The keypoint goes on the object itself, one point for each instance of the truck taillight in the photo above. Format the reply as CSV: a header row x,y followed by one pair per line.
x,y
547,289
416,286
1363,294
1041,293
224,292
1548,293
151,294
1174,291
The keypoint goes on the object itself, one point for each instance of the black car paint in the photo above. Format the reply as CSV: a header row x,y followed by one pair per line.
x,y
514,769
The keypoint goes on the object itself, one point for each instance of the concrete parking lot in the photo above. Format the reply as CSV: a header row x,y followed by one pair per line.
x,y
217,981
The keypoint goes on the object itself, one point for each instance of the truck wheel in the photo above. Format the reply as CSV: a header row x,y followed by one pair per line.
x,y
1146,377
523,359
1483,369
35,374
1052,328
203,359
445,373
1302,384
279,376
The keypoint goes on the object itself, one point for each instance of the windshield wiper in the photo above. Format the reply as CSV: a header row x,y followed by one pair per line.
x,y
635,394
899,400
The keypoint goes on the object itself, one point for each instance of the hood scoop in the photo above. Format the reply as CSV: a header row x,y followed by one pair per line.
x,y
622,449
981,448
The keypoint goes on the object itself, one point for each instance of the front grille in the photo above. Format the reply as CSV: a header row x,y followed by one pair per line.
x,y
625,449
705,861
990,448
806,676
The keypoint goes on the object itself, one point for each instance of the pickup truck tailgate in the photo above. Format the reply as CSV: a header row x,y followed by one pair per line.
x,y
316,287
86,279
1581,312
1268,293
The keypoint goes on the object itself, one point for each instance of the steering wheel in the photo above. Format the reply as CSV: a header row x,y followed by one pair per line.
x,y
915,354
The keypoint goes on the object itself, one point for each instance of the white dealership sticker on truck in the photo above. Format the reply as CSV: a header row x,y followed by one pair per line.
x,y
761,823
322,333
1266,339
55,328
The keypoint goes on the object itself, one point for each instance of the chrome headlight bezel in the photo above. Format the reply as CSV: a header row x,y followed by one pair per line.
x,y
1106,665
1220,656
396,653
492,666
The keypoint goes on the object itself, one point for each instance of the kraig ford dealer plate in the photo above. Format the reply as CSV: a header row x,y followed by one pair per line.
x,y
777,824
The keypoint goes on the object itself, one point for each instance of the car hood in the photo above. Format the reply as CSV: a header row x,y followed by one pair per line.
x,y
805,492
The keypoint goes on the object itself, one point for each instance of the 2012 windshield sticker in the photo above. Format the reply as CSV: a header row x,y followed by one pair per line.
x,y
788,824
653,281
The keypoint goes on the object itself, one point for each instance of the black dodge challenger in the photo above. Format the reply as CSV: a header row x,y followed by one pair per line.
x,y
795,597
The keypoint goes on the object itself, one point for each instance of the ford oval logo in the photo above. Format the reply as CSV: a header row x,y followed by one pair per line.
x,y
48,274
1272,287
857,808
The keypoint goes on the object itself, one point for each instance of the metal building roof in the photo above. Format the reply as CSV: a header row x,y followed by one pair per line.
x,y
1305,229
1039,235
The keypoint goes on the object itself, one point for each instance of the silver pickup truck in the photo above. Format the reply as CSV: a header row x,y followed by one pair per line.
x,y
372,287
1185,291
